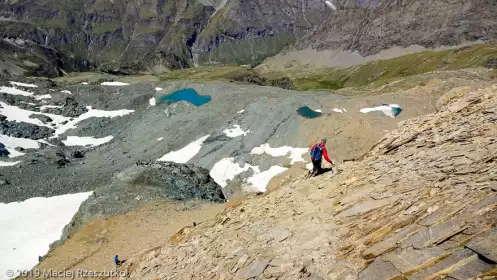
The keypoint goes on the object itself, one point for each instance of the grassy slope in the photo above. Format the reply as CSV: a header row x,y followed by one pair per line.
x,y
378,72
383,71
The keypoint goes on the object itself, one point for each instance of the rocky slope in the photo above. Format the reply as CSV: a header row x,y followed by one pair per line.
x,y
421,204
155,35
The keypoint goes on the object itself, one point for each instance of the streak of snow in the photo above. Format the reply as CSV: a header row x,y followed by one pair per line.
x,y
386,109
235,131
241,111
185,154
14,113
31,226
331,5
318,110
44,107
23,84
116,84
44,96
66,91
92,113
160,139
86,141
295,153
8,163
338,110
152,101
85,83
158,89
15,91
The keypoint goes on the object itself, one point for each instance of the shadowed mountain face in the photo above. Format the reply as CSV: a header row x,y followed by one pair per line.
x,y
148,34
128,35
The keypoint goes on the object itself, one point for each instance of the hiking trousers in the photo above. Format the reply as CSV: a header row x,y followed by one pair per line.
x,y
316,167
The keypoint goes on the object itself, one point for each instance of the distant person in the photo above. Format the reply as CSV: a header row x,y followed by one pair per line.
x,y
318,151
117,261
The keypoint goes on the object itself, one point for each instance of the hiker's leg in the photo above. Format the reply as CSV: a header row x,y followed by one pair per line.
x,y
315,168
320,169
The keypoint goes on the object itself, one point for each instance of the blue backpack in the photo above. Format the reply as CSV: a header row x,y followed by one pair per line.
x,y
317,152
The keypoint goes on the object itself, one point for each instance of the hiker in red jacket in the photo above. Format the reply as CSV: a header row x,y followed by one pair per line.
x,y
318,151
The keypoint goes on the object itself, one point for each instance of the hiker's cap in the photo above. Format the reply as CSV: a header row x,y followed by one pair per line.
x,y
323,140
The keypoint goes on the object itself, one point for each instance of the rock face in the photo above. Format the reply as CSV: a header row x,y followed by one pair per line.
x,y
420,205
24,130
381,24
124,35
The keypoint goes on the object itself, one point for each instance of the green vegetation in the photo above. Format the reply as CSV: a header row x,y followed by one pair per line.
x,y
100,29
54,23
384,71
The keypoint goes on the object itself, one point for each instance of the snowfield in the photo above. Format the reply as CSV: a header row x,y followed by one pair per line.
x,y
235,131
30,226
295,154
115,84
185,154
86,141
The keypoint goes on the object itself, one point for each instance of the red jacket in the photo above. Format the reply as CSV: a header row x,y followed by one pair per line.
x,y
325,152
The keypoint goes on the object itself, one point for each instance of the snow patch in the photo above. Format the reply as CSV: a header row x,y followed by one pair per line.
x,y
241,111
86,141
12,142
259,181
160,139
295,153
116,84
44,107
318,110
226,169
92,113
386,109
85,83
152,101
66,91
235,131
185,154
31,225
23,84
15,91
44,96
331,5
8,163
337,110
158,89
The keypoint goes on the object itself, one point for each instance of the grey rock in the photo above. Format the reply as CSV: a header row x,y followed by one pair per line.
x,y
367,206
25,130
379,270
486,245
280,234
255,269
434,234
43,118
411,259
